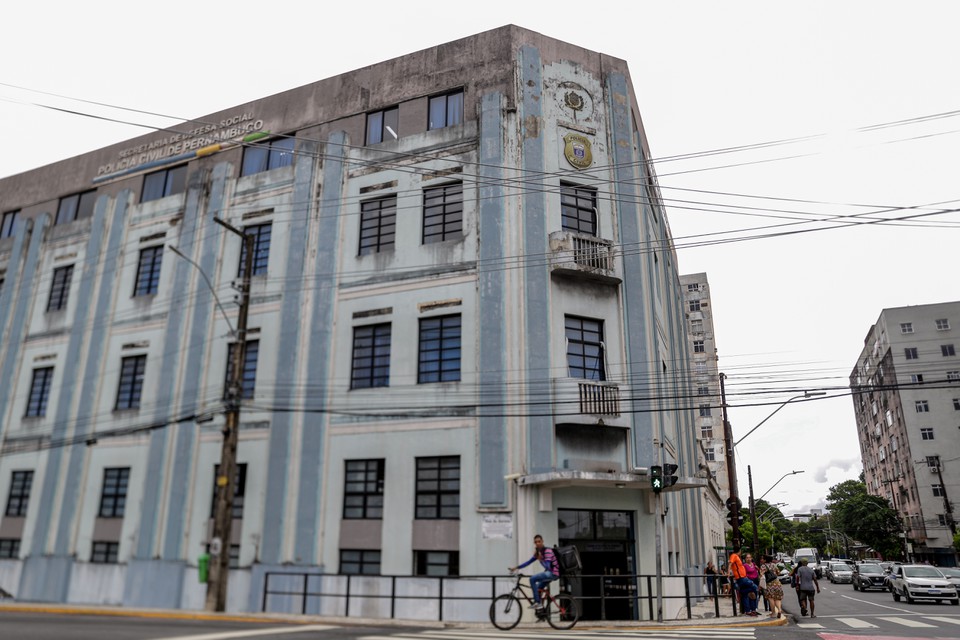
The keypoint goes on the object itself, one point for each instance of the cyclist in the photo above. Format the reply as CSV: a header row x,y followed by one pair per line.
x,y
551,572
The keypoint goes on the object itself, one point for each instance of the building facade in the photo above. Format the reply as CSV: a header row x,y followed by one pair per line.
x,y
907,403
702,344
465,327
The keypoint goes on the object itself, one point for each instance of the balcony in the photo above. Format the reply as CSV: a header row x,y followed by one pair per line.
x,y
582,256
579,401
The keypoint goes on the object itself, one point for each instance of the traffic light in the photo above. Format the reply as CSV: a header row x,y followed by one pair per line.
x,y
656,478
730,519
669,475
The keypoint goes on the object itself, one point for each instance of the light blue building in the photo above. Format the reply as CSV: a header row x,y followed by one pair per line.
x,y
466,327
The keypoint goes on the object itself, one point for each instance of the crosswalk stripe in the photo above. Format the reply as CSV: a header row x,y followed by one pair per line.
x,y
549,634
908,622
810,625
856,623
939,619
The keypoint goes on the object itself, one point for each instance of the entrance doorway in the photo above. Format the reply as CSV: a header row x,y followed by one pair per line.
x,y
606,542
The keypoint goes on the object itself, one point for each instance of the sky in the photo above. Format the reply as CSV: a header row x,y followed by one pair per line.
x,y
791,310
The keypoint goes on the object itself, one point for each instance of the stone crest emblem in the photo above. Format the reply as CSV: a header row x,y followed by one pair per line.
x,y
577,150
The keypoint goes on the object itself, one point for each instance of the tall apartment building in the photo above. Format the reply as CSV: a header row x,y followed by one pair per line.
x,y
707,403
466,327
907,403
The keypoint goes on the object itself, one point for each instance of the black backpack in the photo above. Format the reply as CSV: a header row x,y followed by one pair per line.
x,y
568,560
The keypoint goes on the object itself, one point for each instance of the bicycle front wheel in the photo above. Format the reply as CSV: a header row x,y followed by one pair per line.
x,y
505,611
563,611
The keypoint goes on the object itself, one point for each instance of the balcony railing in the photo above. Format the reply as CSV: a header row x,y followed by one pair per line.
x,y
579,255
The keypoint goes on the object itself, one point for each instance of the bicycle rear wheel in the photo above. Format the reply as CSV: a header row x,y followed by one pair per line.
x,y
562,611
505,611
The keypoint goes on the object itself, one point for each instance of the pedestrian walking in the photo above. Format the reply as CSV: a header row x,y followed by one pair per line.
x,y
773,590
807,588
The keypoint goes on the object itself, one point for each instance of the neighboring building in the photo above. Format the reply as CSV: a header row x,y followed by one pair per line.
x,y
707,403
466,327
907,403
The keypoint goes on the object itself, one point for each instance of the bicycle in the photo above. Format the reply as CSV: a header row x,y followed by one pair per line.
x,y
560,611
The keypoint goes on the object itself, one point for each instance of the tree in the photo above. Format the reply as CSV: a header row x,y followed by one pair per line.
x,y
869,519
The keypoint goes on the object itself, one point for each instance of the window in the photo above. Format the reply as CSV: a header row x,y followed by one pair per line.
x,y
60,288
942,325
917,378
131,382
148,271
359,562
105,552
113,497
161,184
436,563
371,356
363,489
906,327
910,353
694,305
446,110
710,454
19,497
922,406
578,209
438,488
383,125
6,225
700,367
705,410
9,548
239,490
79,205
696,326
953,376
956,404
933,462
39,392
937,490
261,248
942,519
585,348
249,383
703,390
378,225
706,432
439,349
926,433
443,213
698,346
693,287
947,350
266,155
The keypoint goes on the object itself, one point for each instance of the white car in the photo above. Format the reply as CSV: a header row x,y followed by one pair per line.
x,y
921,582
840,571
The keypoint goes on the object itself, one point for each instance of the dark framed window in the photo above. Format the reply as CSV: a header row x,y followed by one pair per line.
x,y
39,392
948,350
360,562
105,552
9,548
705,411
167,182
19,497
584,348
378,224
371,356
60,288
445,110
926,433
113,496
438,488
694,305
937,490
910,353
239,491
261,248
578,209
148,271
266,155
436,563
699,346
383,125
131,382
6,225
439,349
76,206
363,489
443,213
249,369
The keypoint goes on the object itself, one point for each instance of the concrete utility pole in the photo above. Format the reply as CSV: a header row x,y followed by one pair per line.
x,y
753,513
226,476
733,503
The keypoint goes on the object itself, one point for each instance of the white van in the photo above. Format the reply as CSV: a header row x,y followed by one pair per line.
x,y
812,556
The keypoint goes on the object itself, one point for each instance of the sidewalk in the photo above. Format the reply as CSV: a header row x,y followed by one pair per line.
x,y
704,616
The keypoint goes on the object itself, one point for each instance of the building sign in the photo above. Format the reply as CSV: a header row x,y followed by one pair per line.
x,y
176,144
497,527
576,149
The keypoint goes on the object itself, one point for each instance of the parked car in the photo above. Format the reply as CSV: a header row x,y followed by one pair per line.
x,y
839,571
952,574
868,575
921,582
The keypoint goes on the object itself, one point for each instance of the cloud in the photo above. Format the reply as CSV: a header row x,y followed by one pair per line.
x,y
846,466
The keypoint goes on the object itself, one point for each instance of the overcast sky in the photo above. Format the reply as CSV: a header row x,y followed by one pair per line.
x,y
791,311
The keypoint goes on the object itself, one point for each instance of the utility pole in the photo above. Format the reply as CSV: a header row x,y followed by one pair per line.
x,y
226,476
734,501
753,514
947,509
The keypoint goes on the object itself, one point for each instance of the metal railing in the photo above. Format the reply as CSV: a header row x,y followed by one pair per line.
x,y
467,597
599,399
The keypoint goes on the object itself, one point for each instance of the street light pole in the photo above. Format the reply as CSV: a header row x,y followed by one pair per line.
x,y
226,476
805,394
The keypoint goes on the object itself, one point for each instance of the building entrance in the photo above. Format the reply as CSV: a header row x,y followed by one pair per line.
x,y
606,542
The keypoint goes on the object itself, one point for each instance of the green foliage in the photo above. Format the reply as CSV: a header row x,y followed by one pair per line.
x,y
956,541
865,518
